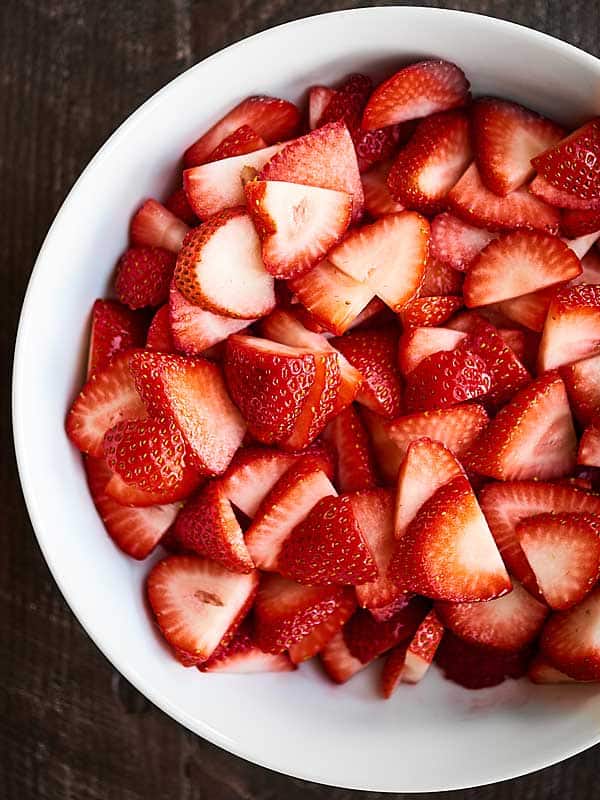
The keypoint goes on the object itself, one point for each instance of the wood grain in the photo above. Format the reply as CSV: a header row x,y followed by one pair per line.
x,y
70,727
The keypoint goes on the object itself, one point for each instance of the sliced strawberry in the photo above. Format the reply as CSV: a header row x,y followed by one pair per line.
x,y
115,329
198,604
542,672
219,268
367,638
572,329
338,662
507,504
448,552
269,117
474,203
193,393
506,136
373,353
416,91
563,550
391,610
241,141
560,199
590,264
325,158
447,379
440,280
589,446
136,531
428,311
531,437
287,504
432,162
159,333
207,525
426,467
347,435
153,225
320,636
241,655
422,649
417,344
143,276
387,455
582,379
515,339
348,101
333,298
476,667
579,223
128,494
455,242
252,474
297,224
178,204
286,612
377,146
388,255
570,639
107,398
378,200
392,670
318,99
572,165
529,310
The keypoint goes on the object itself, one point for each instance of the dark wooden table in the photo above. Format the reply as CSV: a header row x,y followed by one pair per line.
x,y
70,72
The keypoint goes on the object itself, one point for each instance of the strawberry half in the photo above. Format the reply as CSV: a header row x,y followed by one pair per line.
x,y
178,204
242,656
563,550
428,311
297,225
572,329
243,140
570,639
589,446
474,203
416,91
378,200
456,243
447,379
136,531
349,439
286,612
477,667
153,225
439,280
367,638
506,136
582,380
325,158
426,467
198,604
285,506
337,660
115,329
579,223
389,256
573,165
220,269
448,552
143,276
107,398
269,117
159,333
319,637
431,163
252,474
207,525
417,344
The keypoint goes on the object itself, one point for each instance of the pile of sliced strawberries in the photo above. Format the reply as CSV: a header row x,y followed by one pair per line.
x,y
364,418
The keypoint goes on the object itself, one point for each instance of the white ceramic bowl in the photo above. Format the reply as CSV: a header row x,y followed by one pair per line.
x,y
432,737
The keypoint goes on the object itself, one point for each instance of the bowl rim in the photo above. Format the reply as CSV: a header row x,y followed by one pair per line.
x,y
195,725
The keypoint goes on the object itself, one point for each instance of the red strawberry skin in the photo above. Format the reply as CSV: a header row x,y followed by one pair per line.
x,y
446,379
243,140
476,667
322,634
159,333
582,380
114,329
178,204
575,223
366,638
355,467
429,311
573,165
144,276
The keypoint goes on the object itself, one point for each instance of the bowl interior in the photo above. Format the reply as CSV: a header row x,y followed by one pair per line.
x,y
299,724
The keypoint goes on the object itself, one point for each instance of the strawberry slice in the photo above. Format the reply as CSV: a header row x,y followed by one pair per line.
x,y
448,552
114,329
416,91
349,439
388,255
508,623
456,243
560,199
328,547
416,344
252,474
387,455
325,158
440,280
297,225
590,264
426,467
159,333
563,550
285,506
581,246
575,223
143,276
378,200
506,136
542,672
192,392
476,667
337,660
242,656
572,165
570,639
517,341
373,353
572,329
446,379
178,204
429,311
422,649
219,268
474,203
589,446
198,604
107,398
531,437
529,310
286,612
153,225
582,379
367,638
318,100
244,140
207,525
269,117
432,162
320,636
333,298
136,531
